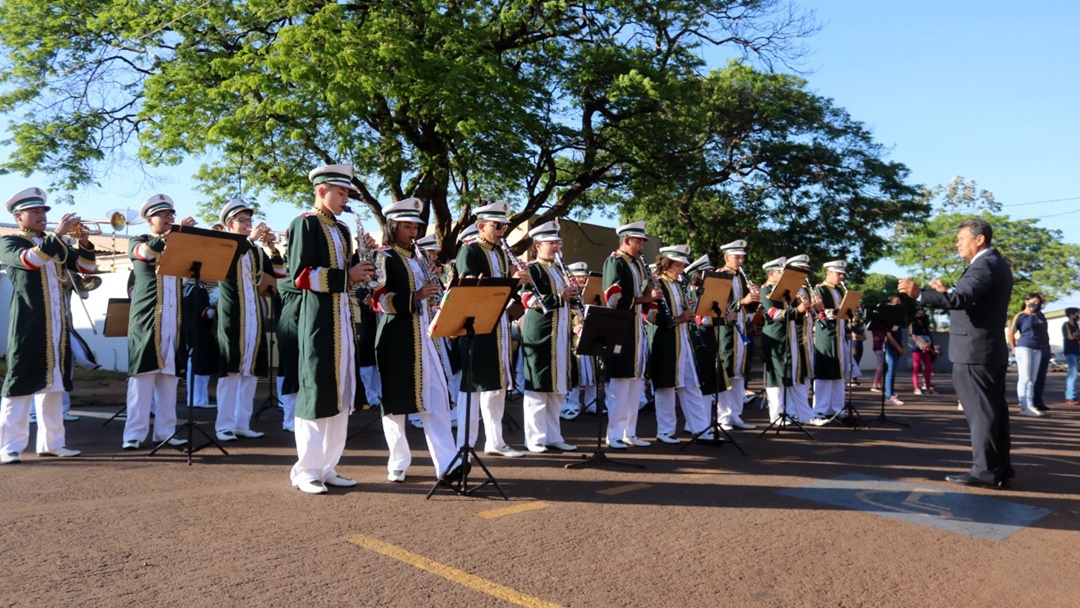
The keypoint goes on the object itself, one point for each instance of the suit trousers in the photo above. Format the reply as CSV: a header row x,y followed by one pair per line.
x,y
236,398
542,422
157,387
730,402
981,390
694,407
437,432
828,397
15,422
491,404
623,397
319,444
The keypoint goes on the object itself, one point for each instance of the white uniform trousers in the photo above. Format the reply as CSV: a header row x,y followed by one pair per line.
x,y
542,422
623,397
695,409
288,407
586,402
828,397
803,411
159,388
319,444
15,422
437,432
198,386
372,379
236,398
774,394
491,404
730,404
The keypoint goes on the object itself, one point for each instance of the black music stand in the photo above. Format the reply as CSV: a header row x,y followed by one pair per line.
x,y
117,316
884,318
846,311
271,328
715,289
604,331
472,307
201,255
790,282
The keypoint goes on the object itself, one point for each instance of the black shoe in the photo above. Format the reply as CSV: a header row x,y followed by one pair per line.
x,y
967,479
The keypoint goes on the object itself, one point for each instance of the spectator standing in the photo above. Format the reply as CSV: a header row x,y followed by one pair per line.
x,y
1033,338
1070,335
922,353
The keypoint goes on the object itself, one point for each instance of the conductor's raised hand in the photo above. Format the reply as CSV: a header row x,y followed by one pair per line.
x,y
909,288
938,285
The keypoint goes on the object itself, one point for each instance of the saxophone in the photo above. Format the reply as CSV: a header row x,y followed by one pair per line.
x,y
429,277
363,252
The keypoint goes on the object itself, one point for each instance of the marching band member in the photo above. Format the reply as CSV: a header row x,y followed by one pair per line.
x,y
288,317
585,372
785,359
413,377
156,352
491,371
832,349
240,322
39,346
672,355
203,349
319,257
545,344
743,301
626,287
430,246
708,352
804,328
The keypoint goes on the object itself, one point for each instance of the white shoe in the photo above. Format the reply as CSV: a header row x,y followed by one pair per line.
x,y
10,458
562,445
229,436
539,449
818,420
1026,411
959,406
396,476
727,426
176,441
634,441
417,423
665,438
570,413
130,444
70,417
893,401
340,482
250,434
311,486
505,450
739,424
60,452
615,444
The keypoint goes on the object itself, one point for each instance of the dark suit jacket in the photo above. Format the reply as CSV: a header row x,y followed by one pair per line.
x,y
980,310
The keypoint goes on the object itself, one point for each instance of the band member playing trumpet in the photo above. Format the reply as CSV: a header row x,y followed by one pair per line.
x,y
413,377
832,349
627,287
545,343
240,322
491,370
156,352
733,336
39,347
320,264
672,364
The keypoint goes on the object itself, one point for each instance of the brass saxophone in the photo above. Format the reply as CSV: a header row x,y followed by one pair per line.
x,y
363,252
425,266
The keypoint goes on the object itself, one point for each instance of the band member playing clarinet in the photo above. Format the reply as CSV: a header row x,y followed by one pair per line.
x,y
545,342
240,322
413,378
39,347
491,371
156,350
627,287
320,265
672,354
733,336
832,349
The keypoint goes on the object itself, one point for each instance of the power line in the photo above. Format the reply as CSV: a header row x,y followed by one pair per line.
x,y
1058,214
1056,200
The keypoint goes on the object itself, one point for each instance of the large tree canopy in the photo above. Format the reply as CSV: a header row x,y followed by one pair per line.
x,y
533,101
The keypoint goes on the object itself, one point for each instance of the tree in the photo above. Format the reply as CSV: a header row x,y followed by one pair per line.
x,y
1040,259
456,103
779,166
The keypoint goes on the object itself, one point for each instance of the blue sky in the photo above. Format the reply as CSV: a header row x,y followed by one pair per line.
x,y
985,90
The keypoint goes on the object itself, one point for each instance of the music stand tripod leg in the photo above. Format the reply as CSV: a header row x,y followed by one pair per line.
x,y
598,457
849,411
882,417
714,417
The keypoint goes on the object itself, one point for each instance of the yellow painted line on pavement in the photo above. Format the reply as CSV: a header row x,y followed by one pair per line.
x,y
829,451
783,459
523,507
449,573
624,489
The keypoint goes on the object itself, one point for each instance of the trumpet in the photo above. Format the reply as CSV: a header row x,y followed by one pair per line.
x,y
117,221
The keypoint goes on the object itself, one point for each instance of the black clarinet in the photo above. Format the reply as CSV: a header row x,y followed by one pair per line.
x,y
662,302
695,331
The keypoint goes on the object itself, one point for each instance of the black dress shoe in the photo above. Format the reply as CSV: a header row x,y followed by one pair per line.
x,y
967,479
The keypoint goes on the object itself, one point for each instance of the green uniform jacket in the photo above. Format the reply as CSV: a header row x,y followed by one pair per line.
x,y
775,344
729,334
233,315
625,278
31,356
287,341
545,339
401,333
491,351
146,318
827,338
321,274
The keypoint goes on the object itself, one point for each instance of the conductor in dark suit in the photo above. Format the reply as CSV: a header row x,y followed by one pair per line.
x,y
978,306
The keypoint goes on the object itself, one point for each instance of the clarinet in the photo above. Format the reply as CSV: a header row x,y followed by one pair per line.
x,y
363,251
519,265
575,302
429,278
695,332
662,302
734,307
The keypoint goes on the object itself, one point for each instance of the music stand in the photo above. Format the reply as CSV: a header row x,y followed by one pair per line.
x,y
117,315
790,282
603,331
269,289
846,311
884,318
715,289
199,254
593,292
472,307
